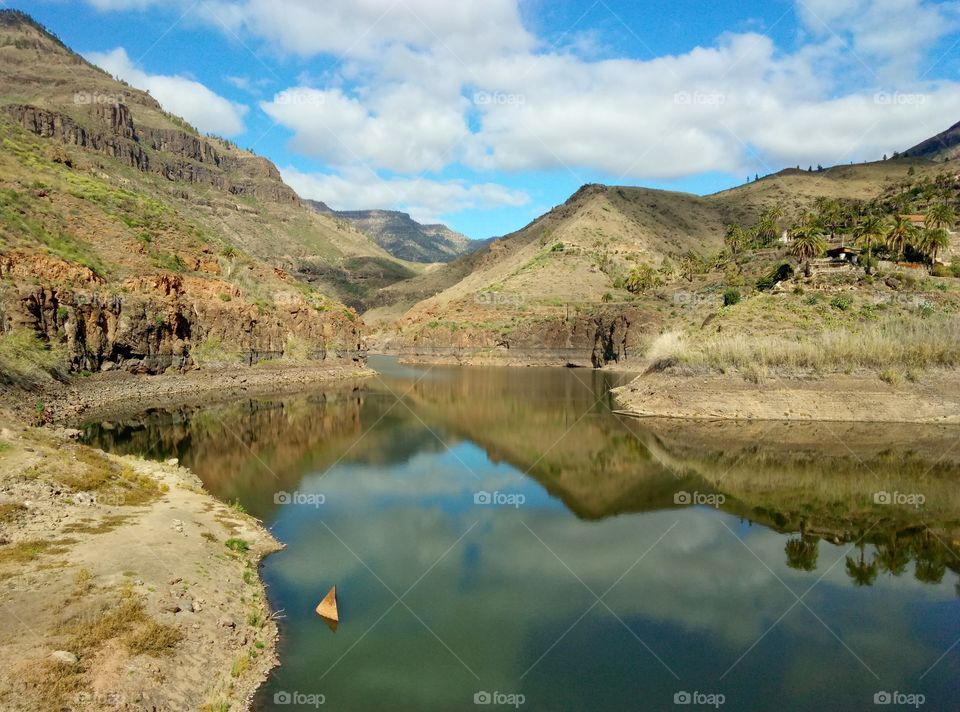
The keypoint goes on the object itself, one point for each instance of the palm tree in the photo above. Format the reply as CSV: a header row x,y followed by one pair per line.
x,y
768,226
736,238
940,217
935,240
869,233
807,243
862,573
900,233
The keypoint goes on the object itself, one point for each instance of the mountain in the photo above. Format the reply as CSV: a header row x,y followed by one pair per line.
x,y
403,237
556,290
54,94
129,239
942,147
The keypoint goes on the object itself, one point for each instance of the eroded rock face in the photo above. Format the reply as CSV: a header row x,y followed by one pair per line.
x,y
150,324
588,340
175,155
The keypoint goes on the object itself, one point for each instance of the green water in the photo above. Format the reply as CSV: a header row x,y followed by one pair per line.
x,y
500,538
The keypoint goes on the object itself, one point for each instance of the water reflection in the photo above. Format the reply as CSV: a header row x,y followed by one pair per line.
x,y
602,590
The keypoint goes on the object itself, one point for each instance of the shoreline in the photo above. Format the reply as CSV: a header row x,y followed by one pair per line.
x,y
863,398
76,546
145,595
86,397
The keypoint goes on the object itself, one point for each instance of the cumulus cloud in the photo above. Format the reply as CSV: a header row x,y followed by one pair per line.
x,y
208,111
894,33
426,200
422,85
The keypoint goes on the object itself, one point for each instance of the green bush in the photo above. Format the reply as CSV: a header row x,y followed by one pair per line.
x,y
24,358
731,296
841,302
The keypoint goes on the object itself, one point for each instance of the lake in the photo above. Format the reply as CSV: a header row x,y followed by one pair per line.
x,y
501,539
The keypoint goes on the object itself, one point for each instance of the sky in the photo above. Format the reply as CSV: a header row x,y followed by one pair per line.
x,y
484,114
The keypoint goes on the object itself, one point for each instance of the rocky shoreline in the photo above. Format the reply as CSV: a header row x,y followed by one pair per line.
x,y
81,398
934,398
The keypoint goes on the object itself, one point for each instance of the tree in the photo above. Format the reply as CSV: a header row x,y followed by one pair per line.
x,y
735,238
869,233
932,241
940,217
900,233
807,243
768,227
642,278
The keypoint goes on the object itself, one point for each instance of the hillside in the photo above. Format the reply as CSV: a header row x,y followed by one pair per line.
x,y
944,146
129,240
559,286
402,236
104,143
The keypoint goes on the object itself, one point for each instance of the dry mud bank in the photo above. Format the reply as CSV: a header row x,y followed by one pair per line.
x,y
935,398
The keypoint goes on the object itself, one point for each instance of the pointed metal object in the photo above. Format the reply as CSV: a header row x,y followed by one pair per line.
x,y
327,608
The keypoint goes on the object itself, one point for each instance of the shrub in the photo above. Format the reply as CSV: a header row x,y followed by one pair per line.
x,y
641,279
238,545
841,302
24,358
731,296
779,274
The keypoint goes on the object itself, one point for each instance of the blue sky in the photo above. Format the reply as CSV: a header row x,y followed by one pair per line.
x,y
484,114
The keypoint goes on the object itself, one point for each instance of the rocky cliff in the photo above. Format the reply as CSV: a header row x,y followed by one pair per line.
x,y
175,155
167,321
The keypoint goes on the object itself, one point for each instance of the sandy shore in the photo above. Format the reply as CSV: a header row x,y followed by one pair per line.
x,y
935,398
124,585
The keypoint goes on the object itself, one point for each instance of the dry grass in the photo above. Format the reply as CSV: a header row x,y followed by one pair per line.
x,y
25,359
86,470
894,343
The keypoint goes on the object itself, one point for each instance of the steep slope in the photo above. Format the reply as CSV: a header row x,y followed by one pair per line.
x,y
557,287
50,92
402,236
128,239
944,146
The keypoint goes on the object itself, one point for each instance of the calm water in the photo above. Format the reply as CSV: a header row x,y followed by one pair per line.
x,y
500,534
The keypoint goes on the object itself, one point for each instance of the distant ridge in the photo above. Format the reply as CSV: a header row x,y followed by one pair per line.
x,y
942,147
403,237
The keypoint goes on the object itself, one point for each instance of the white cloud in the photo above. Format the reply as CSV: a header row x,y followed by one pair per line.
x,y
426,200
402,128
893,33
208,111
422,85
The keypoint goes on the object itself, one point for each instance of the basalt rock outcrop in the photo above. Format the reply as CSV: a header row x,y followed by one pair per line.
x,y
176,155
151,324
587,340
